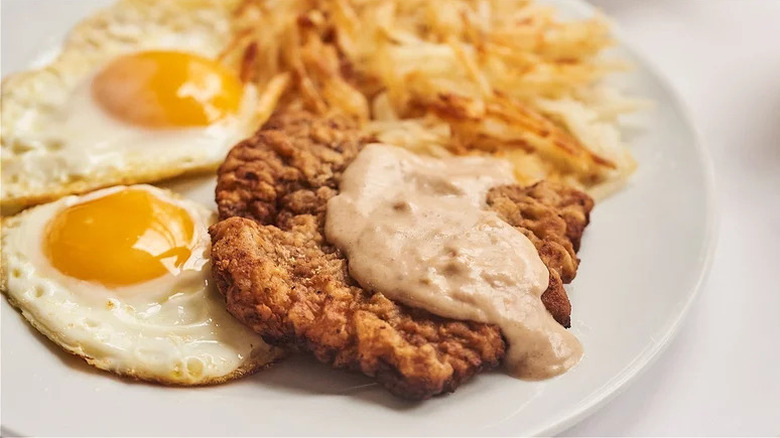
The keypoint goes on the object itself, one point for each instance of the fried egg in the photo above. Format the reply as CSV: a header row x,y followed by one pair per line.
x,y
121,277
136,95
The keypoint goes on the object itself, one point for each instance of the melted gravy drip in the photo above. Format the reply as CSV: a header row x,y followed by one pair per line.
x,y
418,230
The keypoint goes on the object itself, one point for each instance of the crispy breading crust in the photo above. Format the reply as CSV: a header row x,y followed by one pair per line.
x,y
553,217
282,278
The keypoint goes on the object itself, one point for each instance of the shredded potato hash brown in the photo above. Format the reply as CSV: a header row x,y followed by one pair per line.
x,y
501,77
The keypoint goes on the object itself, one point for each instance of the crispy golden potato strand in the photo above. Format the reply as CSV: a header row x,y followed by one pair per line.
x,y
502,77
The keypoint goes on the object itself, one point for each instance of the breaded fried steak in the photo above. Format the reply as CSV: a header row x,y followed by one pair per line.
x,y
282,278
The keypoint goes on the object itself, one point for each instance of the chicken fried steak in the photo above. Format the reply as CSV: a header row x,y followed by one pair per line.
x,y
282,278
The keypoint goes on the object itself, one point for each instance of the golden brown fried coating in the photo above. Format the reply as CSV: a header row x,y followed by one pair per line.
x,y
553,218
282,278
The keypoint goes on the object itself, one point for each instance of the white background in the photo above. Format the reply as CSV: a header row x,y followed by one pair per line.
x,y
721,375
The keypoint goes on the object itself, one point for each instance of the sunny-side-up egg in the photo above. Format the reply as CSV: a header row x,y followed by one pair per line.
x,y
136,95
121,278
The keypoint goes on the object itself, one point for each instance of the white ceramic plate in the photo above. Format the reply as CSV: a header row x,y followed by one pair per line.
x,y
644,257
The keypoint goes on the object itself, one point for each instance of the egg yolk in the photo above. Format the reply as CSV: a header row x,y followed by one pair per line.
x,y
124,238
166,89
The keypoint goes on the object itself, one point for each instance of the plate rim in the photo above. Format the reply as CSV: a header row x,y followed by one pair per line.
x,y
650,355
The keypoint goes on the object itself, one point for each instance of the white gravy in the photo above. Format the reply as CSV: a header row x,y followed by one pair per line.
x,y
417,229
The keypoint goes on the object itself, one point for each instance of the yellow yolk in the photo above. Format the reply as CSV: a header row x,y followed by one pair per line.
x,y
166,89
124,238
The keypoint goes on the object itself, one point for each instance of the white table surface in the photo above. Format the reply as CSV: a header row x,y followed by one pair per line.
x,y
721,375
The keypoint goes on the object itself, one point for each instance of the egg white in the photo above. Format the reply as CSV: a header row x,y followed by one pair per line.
x,y
57,141
173,329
